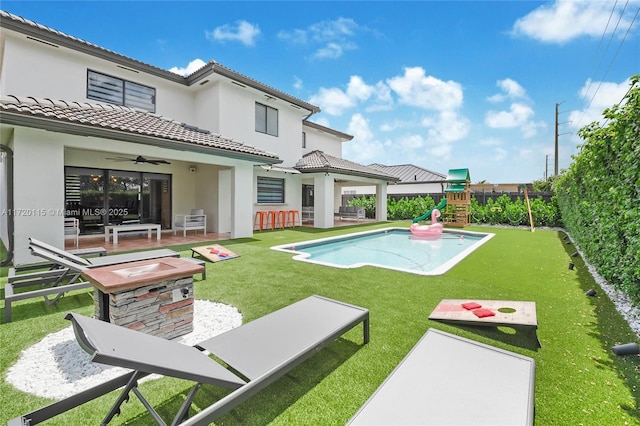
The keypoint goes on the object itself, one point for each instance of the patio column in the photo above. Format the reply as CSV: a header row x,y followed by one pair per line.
x,y
323,200
381,202
38,191
242,200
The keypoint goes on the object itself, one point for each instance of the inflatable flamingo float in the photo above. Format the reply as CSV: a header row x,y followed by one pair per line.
x,y
429,232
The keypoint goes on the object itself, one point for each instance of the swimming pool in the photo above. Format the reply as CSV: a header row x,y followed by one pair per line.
x,y
390,248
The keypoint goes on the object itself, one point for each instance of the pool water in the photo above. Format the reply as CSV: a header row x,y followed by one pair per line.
x,y
391,248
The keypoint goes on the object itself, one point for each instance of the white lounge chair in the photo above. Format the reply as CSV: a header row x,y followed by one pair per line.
x,y
194,221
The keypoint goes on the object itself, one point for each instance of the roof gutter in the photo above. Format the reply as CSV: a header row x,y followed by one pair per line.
x,y
350,173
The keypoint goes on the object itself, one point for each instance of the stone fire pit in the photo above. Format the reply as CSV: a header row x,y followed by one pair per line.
x,y
153,296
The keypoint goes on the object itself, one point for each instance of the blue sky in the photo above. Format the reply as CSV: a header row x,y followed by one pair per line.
x,y
440,85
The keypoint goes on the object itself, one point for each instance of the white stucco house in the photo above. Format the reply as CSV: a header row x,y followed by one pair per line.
x,y
90,133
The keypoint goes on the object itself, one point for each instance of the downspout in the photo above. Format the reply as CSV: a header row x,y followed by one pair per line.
x,y
9,215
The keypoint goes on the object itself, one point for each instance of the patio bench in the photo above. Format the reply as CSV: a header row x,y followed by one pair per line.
x,y
351,212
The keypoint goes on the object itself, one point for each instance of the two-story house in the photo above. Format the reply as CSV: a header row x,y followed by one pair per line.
x,y
90,133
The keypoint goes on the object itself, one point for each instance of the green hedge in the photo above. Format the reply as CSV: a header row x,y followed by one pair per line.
x,y
501,211
599,195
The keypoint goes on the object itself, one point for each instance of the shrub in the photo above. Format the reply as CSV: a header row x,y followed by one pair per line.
x,y
599,195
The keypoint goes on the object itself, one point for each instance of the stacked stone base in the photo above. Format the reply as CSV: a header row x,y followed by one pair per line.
x,y
151,309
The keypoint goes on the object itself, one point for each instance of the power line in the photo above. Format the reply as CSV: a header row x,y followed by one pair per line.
x,y
612,59
617,51
604,32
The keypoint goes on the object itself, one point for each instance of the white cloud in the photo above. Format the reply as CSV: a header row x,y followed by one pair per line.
x,y
243,31
490,142
193,66
415,88
330,38
598,95
511,89
517,115
363,148
334,100
499,154
297,83
563,21
358,89
294,36
446,128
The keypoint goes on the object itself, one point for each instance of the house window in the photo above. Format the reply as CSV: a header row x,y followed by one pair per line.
x,y
113,90
270,190
266,119
304,140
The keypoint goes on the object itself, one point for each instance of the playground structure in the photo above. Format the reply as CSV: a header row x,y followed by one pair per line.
x,y
458,198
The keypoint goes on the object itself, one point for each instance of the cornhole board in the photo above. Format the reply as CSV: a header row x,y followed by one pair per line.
x,y
508,313
450,380
213,252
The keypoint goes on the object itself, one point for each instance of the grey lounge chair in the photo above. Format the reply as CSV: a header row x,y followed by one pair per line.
x,y
77,264
261,351
64,272
450,380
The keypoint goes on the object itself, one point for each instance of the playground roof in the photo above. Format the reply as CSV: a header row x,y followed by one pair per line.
x,y
458,176
455,188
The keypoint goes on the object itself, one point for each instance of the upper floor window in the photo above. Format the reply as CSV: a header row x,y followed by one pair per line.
x,y
304,140
270,190
113,90
266,119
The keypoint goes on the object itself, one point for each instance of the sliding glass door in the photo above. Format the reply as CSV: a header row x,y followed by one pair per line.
x,y
100,197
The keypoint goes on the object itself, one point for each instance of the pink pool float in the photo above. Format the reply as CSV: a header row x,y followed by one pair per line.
x,y
428,232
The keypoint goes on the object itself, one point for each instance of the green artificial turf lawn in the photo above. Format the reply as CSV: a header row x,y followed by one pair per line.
x,y
579,381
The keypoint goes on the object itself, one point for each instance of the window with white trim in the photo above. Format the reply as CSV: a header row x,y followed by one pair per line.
x,y
113,90
270,190
266,119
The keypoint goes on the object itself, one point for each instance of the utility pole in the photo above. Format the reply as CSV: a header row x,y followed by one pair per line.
x,y
546,167
555,162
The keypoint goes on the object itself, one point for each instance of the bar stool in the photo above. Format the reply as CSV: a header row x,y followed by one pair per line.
x,y
291,217
278,217
262,218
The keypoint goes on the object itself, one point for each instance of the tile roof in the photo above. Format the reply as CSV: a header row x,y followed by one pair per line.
x,y
408,173
318,161
123,123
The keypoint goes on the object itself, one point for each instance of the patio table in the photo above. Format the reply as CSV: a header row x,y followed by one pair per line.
x,y
130,227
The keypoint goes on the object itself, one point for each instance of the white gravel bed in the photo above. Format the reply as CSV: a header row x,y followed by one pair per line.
x,y
56,367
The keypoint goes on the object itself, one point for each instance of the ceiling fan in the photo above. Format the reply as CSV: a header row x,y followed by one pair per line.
x,y
140,159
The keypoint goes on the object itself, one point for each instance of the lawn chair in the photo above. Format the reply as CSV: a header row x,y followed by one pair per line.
x,y
261,352
450,380
78,264
63,274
